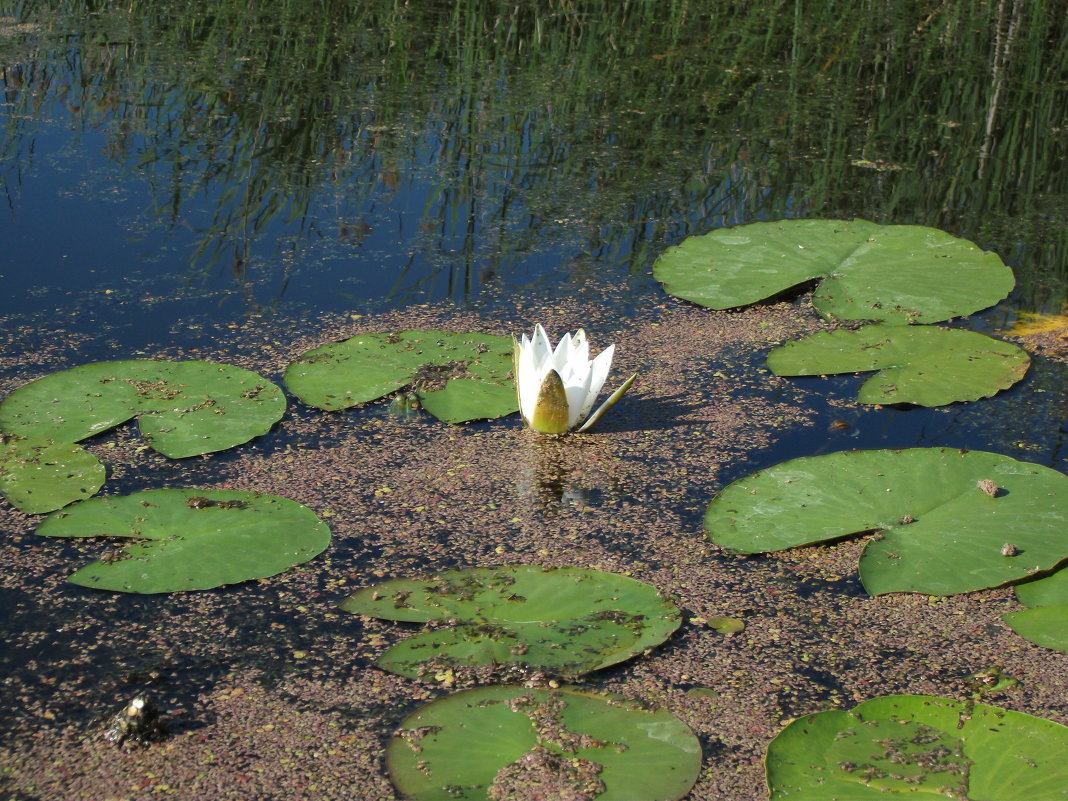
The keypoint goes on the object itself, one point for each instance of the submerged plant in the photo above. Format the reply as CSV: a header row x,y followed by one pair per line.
x,y
557,387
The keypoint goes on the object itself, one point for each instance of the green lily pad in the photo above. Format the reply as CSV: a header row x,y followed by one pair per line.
x,y
183,408
897,273
39,475
726,625
562,621
923,365
1045,623
457,377
190,539
1046,591
914,745
509,742
945,516
1042,625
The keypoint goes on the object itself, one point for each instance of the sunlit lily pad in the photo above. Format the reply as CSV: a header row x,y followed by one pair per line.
x,y
920,364
945,516
562,621
917,746
726,625
190,539
509,742
183,408
897,273
1045,622
39,475
457,377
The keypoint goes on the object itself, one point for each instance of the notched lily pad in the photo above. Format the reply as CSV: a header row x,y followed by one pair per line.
x,y
943,515
183,408
561,621
40,475
909,745
922,365
897,273
511,743
456,377
1045,622
190,539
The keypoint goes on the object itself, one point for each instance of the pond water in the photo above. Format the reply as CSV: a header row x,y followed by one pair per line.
x,y
163,163
165,168
176,168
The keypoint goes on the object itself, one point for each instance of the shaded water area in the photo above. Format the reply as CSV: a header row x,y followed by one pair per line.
x,y
244,181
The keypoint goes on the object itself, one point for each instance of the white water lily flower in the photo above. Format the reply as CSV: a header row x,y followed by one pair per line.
x,y
557,388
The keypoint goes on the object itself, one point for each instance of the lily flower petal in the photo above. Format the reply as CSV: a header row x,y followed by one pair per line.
x,y
527,377
557,387
578,392
543,348
598,374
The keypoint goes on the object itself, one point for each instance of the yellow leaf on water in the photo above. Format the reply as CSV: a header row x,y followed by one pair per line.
x,y
1031,323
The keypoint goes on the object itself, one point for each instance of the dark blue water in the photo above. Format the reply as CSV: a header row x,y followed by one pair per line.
x,y
146,204
85,243
97,244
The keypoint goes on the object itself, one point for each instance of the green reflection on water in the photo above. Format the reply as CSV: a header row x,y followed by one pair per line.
x,y
620,127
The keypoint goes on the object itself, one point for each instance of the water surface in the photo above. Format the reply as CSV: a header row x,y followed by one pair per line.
x,y
173,160
173,167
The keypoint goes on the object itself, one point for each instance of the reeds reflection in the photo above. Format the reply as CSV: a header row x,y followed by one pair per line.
x,y
444,146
